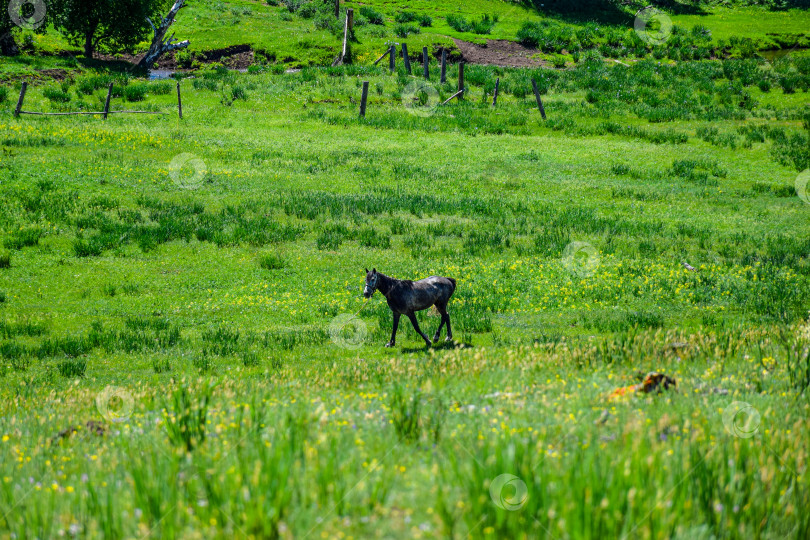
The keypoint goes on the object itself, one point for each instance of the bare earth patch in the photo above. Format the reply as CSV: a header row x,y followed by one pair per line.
x,y
498,52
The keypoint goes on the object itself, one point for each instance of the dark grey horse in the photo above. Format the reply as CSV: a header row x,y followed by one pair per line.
x,y
406,297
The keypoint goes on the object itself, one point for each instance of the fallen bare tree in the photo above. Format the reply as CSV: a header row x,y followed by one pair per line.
x,y
160,45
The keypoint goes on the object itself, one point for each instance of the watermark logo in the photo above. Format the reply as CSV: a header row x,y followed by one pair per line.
x,y
348,331
801,185
508,492
187,171
115,404
653,26
420,98
741,419
27,14
581,258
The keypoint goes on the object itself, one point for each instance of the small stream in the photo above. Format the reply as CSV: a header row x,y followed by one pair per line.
x,y
158,74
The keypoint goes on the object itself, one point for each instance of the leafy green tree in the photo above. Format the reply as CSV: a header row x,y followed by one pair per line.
x,y
114,25
18,14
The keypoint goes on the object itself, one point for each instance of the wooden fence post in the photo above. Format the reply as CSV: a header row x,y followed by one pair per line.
x,y
539,103
461,80
386,53
426,62
495,97
350,15
364,100
107,103
179,102
456,95
337,9
392,59
406,58
444,66
23,89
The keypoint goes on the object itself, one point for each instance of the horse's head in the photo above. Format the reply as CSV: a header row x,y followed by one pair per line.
x,y
371,283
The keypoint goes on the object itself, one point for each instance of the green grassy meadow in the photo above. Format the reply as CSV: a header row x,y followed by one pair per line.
x,y
185,351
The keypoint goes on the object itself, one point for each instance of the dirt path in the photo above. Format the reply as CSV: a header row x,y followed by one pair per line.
x,y
499,52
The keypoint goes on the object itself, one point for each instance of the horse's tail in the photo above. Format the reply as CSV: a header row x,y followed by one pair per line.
x,y
453,281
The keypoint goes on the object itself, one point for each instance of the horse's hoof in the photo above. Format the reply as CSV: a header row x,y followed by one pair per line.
x,y
435,339
389,344
449,339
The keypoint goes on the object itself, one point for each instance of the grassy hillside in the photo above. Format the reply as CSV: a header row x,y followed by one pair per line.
x,y
305,38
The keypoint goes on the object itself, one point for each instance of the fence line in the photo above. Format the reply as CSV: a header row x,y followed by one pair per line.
x,y
24,88
391,54
89,113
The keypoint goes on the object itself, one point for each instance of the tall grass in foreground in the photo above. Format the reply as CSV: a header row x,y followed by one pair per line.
x,y
471,442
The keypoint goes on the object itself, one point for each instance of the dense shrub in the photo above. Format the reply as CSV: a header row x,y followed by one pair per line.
x,y
161,88
482,26
56,95
404,30
135,92
407,17
372,16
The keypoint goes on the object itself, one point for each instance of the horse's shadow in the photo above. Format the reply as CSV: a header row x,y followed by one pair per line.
x,y
442,346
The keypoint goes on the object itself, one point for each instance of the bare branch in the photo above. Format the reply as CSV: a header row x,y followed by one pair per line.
x,y
160,45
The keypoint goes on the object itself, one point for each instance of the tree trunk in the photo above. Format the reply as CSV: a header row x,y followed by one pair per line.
x,y
8,46
88,46
159,45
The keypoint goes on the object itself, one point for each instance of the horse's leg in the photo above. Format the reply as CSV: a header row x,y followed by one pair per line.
x,y
449,331
443,312
412,317
394,332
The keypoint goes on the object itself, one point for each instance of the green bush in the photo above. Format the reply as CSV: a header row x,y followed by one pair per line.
x,y
56,95
5,259
88,84
482,26
372,15
459,23
3,94
271,261
71,368
404,17
238,92
327,21
404,30
369,237
135,92
204,84
292,5
308,10
485,25
161,88
183,58
24,237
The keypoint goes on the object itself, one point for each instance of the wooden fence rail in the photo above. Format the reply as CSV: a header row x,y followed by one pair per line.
x,y
106,112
